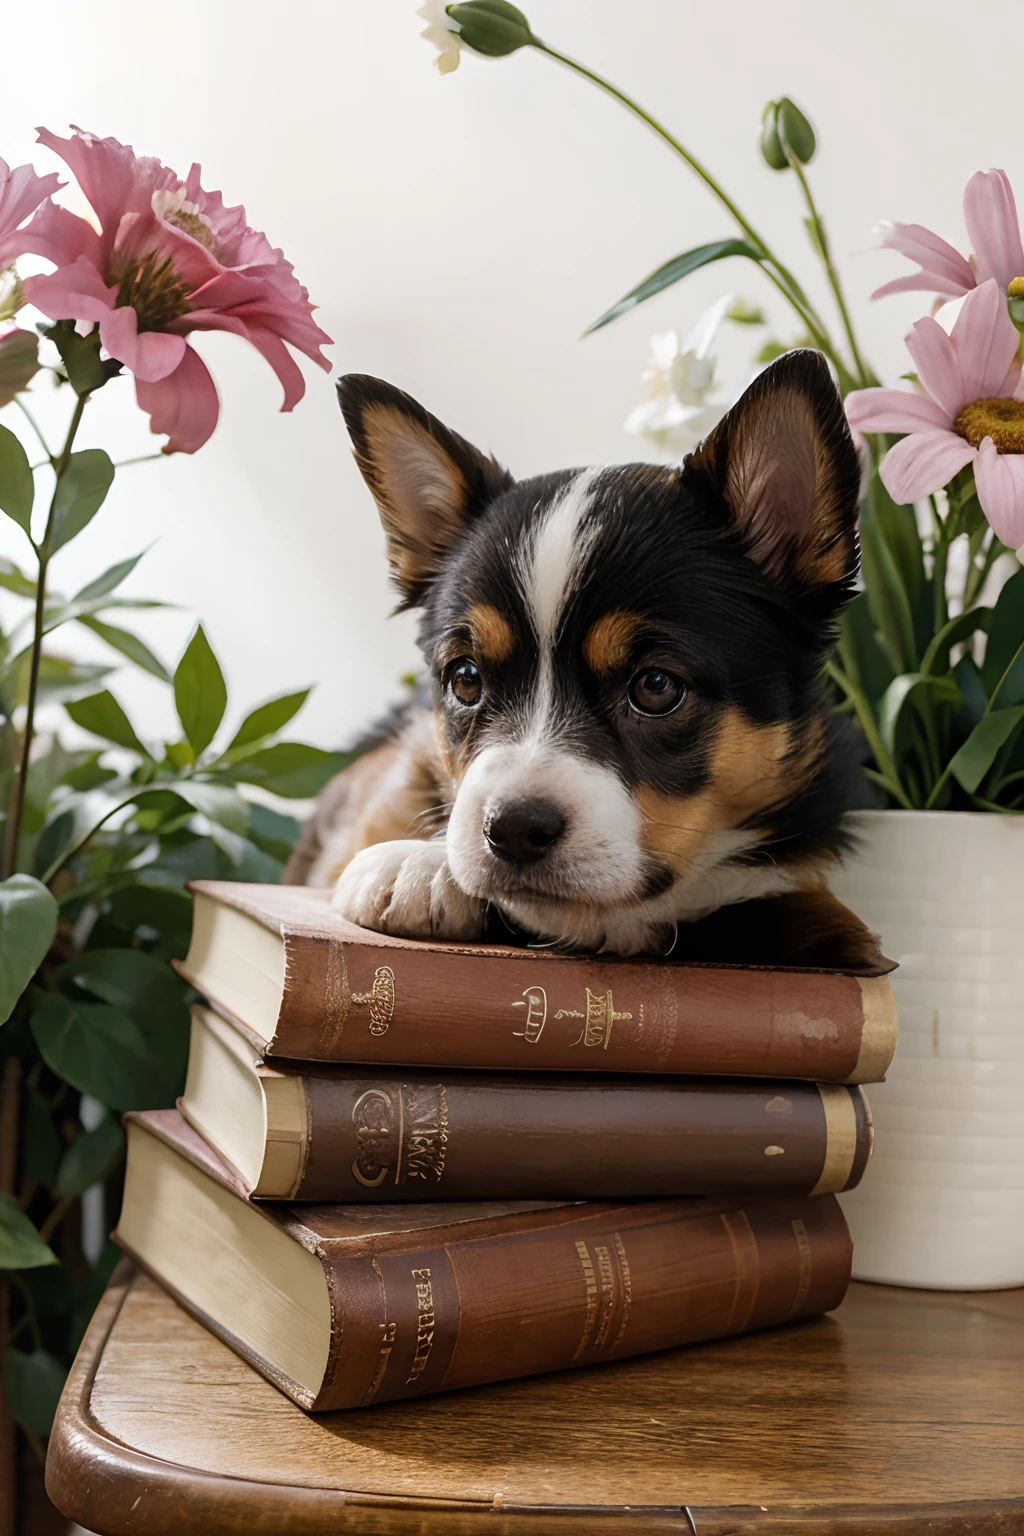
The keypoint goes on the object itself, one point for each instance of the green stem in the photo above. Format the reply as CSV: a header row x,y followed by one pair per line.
x,y
865,376
76,847
782,278
23,408
978,575
940,562
868,725
16,808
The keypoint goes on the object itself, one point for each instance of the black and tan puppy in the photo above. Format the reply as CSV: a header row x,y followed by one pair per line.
x,y
629,728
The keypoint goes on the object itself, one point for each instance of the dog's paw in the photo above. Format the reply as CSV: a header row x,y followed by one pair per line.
x,y
406,888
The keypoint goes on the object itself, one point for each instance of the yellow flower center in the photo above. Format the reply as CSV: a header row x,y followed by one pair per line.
x,y
1015,290
1000,419
192,224
154,291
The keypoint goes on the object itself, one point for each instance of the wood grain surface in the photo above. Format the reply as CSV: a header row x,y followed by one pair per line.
x,y
901,1413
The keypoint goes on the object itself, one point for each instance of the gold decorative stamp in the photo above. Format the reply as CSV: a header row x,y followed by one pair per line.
x,y
598,1020
380,999
536,1005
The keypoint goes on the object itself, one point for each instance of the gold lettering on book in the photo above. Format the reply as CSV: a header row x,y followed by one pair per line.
x,y
627,1286
590,1281
598,1020
803,1284
607,1294
536,1005
424,1324
380,1000
404,1132
388,1332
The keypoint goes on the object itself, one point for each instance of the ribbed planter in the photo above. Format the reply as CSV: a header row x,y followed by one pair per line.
x,y
942,1201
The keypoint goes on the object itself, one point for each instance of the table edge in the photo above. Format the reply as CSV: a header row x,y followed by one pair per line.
x,y
112,1489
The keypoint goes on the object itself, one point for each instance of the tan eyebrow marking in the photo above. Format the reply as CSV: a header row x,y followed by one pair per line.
x,y
606,647
492,634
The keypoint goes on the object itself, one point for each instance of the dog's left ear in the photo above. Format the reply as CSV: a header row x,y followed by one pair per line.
x,y
427,481
784,463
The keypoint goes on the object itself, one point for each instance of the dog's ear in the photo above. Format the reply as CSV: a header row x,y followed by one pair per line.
x,y
427,481
784,463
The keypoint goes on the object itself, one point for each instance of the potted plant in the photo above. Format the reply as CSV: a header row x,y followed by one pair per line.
x,y
929,665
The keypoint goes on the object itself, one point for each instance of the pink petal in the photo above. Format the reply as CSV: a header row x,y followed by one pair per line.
x,y
920,282
922,463
985,341
999,478
283,364
937,367
151,356
893,410
142,234
21,192
114,179
184,405
945,270
990,214
77,292
61,237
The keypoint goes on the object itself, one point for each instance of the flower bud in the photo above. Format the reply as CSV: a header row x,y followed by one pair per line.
x,y
491,27
1015,305
784,127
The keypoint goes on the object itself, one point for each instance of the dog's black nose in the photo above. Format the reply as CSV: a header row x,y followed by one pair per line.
x,y
523,830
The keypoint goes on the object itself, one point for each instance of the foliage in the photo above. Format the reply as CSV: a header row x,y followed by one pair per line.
x,y
99,840
933,677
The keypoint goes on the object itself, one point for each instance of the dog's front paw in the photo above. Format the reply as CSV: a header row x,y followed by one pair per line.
x,y
407,889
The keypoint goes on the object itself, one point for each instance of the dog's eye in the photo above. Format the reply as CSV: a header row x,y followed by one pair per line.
x,y
656,692
465,682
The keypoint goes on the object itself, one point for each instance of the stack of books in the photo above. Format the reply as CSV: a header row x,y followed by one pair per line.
x,y
400,1167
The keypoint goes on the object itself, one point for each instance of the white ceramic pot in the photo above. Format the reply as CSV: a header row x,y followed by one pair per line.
x,y
942,1201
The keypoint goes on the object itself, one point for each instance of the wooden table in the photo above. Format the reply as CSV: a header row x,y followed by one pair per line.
x,y
901,1413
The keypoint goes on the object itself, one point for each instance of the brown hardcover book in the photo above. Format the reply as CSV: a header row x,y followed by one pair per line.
x,y
390,1134
311,986
342,1306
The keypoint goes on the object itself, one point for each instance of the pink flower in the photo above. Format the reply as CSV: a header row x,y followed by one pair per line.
x,y
990,214
970,413
168,259
21,192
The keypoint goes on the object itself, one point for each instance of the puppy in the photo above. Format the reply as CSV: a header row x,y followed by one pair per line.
x,y
627,728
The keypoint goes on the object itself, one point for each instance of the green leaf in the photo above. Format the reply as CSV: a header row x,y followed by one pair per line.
x,y
33,1384
218,802
89,774
887,596
978,753
673,272
861,652
99,1050
199,692
936,657
61,681
81,357
21,1247
160,909
101,714
129,645
267,720
974,699
13,579
1005,631
290,769
17,488
912,688
272,832
81,491
40,1145
149,992
111,578
898,526
90,1157
28,924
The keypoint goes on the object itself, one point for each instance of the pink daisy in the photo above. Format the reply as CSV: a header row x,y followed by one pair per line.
x,y
990,214
967,412
168,259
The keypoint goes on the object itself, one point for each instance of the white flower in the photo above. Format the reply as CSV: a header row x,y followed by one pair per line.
x,y
685,402
443,32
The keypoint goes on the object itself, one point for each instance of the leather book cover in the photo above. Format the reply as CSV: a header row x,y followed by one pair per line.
x,y
353,995
426,1299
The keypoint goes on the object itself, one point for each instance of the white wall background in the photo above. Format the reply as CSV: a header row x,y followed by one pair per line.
x,y
458,234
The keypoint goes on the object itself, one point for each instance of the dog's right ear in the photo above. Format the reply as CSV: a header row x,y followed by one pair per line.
x,y
428,482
